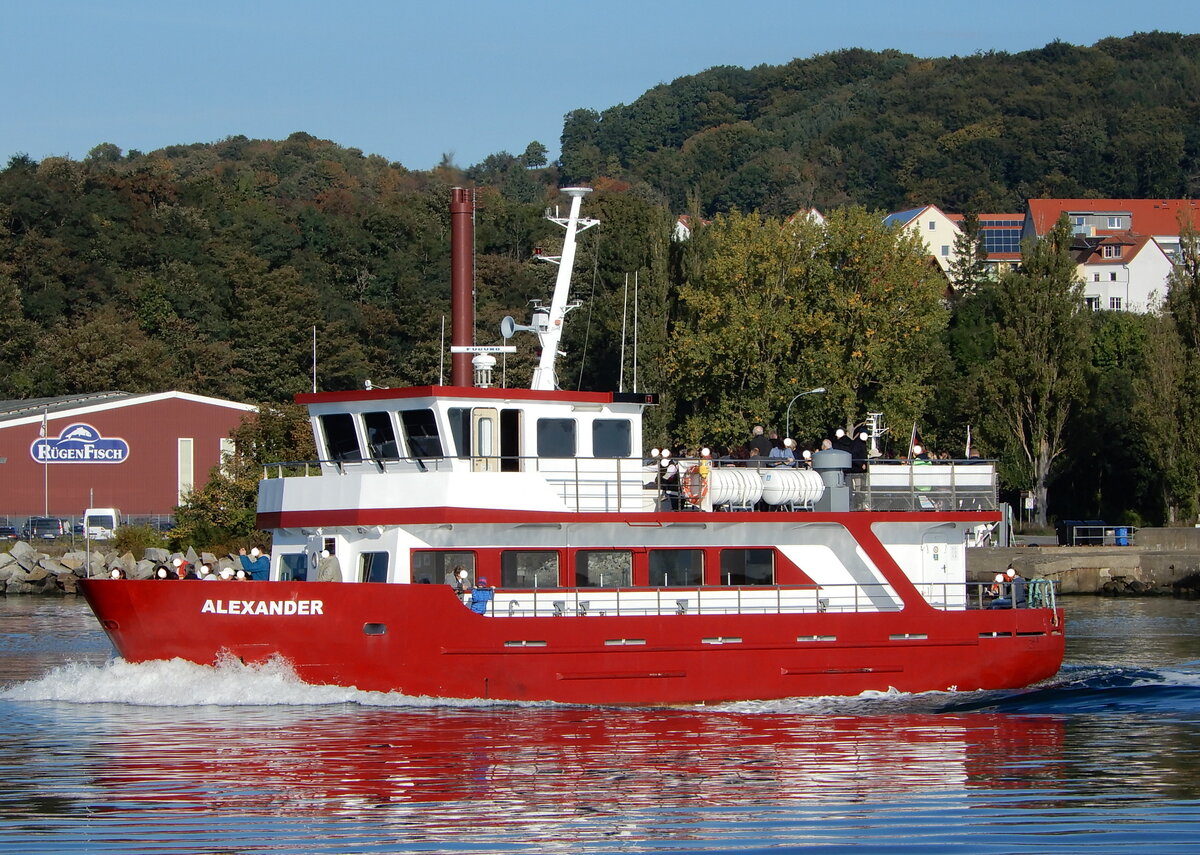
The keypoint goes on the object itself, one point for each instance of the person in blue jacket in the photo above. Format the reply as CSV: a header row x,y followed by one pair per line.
x,y
481,596
256,564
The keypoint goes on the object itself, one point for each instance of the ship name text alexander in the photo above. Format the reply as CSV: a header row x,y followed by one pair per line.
x,y
263,607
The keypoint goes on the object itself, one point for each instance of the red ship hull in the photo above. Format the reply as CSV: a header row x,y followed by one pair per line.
x,y
420,640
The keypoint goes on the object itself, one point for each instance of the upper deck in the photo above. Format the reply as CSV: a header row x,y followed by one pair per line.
x,y
572,452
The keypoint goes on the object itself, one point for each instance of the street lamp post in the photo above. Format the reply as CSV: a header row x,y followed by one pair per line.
x,y
787,431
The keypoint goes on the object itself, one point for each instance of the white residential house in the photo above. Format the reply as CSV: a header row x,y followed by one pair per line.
x,y
934,228
1122,272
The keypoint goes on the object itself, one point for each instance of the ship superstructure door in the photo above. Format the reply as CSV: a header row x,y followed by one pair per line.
x,y
485,440
943,569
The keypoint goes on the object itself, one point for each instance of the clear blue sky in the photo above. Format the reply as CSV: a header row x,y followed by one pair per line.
x,y
414,80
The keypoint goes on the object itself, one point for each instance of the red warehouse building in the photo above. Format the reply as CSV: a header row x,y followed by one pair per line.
x,y
138,453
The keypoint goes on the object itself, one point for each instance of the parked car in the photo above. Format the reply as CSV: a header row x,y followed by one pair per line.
x,y
44,528
9,532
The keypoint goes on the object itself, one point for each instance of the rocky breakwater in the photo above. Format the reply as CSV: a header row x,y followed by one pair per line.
x,y
24,570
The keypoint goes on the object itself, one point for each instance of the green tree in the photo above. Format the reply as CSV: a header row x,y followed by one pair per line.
x,y
222,512
968,262
1040,368
770,308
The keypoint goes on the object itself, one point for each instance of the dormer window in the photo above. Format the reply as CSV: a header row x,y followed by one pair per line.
x,y
1112,250
1115,222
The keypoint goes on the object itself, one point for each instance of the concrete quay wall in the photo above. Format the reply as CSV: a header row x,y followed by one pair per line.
x,y
1158,561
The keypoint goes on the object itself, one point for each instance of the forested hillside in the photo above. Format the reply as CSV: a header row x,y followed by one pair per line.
x,y
1120,119
207,267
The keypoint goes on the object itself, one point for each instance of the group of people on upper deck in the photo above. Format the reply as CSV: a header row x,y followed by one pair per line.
x,y
766,448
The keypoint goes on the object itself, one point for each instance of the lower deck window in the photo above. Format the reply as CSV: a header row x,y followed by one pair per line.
x,y
747,566
373,567
603,568
676,567
533,569
438,567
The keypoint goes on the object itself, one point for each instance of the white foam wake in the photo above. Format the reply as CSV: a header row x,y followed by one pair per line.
x,y
176,683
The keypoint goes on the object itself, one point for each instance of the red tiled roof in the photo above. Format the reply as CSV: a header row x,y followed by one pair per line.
x,y
1092,252
1149,216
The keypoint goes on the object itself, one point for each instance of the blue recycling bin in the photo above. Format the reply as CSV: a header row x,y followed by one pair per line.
x,y
1122,535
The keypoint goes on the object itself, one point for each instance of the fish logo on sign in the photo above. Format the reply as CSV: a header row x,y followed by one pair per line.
x,y
79,443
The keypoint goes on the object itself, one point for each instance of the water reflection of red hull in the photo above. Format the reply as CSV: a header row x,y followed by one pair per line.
x,y
592,758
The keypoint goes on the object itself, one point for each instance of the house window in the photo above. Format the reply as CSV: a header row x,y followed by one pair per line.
x,y
1095,277
1112,277
1092,303
1115,222
945,250
1114,302
1112,251
932,225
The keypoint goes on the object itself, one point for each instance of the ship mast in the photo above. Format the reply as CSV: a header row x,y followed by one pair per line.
x,y
548,321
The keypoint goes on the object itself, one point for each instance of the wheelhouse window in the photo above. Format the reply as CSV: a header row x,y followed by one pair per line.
x,y
556,438
612,438
381,436
437,566
421,428
671,568
748,566
373,567
603,568
460,430
532,569
341,441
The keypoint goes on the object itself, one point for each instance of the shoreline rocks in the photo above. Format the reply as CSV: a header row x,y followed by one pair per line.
x,y
24,570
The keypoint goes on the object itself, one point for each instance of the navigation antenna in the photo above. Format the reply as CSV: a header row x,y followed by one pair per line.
x,y
548,320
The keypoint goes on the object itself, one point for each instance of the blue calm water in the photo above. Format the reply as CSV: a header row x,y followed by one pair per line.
x,y
102,756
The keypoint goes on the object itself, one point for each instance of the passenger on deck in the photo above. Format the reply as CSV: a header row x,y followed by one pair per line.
x,y
117,573
858,453
481,596
161,572
759,442
183,570
785,455
460,580
329,569
842,442
256,565
1016,587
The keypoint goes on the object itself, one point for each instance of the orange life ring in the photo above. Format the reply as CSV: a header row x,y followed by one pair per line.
x,y
694,484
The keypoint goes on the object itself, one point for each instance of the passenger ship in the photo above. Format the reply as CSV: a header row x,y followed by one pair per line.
x,y
753,583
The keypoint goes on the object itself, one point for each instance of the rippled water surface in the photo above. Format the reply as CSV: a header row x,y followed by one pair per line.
x,y
103,756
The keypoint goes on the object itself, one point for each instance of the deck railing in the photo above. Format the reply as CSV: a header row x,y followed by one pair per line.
x,y
591,484
773,599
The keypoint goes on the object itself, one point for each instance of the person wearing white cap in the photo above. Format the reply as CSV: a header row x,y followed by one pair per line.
x,y
256,565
